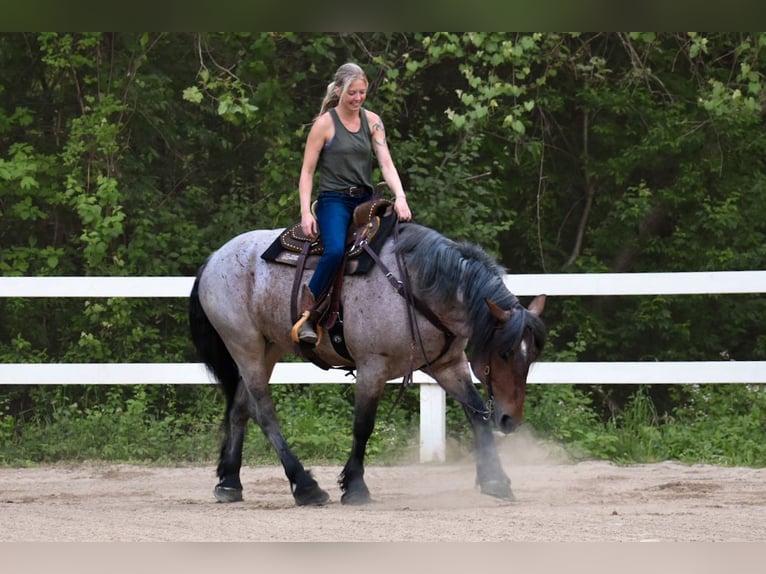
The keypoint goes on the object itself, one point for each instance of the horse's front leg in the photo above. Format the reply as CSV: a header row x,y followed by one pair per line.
x,y
351,480
489,470
491,477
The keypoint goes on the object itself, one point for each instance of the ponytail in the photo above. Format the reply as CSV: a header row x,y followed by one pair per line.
x,y
330,100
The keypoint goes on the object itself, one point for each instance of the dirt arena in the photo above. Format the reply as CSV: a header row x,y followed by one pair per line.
x,y
557,501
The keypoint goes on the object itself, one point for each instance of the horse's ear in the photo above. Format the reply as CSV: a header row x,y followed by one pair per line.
x,y
537,305
497,312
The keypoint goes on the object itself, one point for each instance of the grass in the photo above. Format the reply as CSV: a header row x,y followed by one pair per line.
x,y
717,424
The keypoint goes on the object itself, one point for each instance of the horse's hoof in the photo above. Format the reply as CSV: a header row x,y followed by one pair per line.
x,y
311,497
227,494
356,497
498,489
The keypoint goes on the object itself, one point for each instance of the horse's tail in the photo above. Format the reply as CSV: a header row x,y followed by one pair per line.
x,y
210,347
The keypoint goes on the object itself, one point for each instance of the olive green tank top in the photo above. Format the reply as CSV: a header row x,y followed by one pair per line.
x,y
346,160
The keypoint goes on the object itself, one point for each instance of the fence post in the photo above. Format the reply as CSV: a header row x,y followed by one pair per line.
x,y
433,423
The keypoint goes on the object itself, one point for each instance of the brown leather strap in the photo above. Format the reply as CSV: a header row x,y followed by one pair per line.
x,y
303,350
299,267
413,301
337,287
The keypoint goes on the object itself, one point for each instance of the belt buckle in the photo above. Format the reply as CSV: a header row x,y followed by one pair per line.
x,y
356,190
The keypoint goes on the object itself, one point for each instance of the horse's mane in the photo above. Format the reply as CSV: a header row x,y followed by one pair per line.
x,y
445,271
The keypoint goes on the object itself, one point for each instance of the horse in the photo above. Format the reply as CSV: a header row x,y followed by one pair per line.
x,y
240,319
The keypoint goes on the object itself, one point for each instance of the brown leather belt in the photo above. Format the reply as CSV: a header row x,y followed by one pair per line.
x,y
356,190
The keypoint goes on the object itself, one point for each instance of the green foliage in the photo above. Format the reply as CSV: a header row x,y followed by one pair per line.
x,y
714,424
166,424
719,424
636,431
565,414
136,424
316,420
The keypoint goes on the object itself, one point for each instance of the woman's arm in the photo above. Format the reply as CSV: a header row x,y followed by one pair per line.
x,y
314,142
387,167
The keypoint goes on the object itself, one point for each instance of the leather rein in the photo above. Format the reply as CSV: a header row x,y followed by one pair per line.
x,y
402,287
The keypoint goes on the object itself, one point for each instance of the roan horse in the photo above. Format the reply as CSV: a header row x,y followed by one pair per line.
x,y
240,322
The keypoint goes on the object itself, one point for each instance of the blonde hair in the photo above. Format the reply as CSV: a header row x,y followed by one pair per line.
x,y
346,74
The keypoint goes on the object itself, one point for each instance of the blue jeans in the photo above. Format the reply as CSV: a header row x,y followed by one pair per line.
x,y
334,211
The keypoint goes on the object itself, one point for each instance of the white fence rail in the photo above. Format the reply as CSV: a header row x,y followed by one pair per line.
x,y
521,285
432,397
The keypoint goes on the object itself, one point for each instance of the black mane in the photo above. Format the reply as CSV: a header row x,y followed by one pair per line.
x,y
445,271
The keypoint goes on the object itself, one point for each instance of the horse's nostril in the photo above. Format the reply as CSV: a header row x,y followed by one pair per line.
x,y
507,424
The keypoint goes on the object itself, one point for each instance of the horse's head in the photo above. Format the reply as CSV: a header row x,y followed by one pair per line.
x,y
502,367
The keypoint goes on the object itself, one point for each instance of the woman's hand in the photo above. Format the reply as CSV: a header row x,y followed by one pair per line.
x,y
309,225
401,208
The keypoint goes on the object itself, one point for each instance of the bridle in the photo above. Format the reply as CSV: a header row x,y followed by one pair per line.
x,y
490,405
487,372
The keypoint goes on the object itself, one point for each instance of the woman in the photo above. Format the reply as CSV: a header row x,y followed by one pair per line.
x,y
341,143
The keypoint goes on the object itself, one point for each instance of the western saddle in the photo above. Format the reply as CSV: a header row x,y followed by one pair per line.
x,y
371,224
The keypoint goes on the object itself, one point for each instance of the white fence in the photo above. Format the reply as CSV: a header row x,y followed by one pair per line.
x,y
432,397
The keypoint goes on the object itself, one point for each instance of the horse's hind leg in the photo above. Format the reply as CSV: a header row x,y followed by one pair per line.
x,y
229,489
305,488
252,399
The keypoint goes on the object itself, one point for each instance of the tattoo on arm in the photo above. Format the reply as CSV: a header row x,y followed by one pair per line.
x,y
379,130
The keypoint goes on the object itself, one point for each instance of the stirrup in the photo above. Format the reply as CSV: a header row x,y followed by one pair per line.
x,y
294,332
